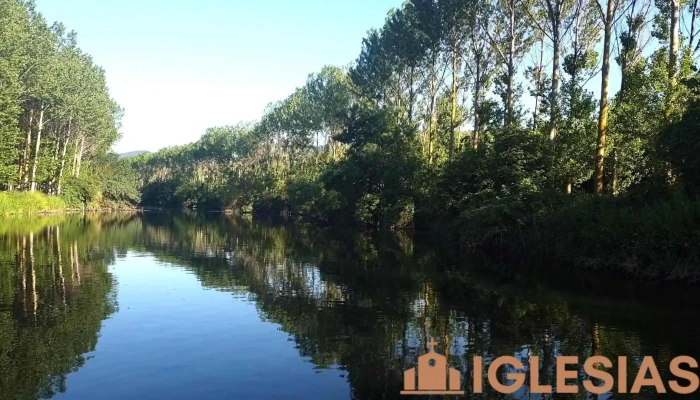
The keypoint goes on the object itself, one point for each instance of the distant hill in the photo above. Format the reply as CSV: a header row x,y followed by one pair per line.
x,y
132,154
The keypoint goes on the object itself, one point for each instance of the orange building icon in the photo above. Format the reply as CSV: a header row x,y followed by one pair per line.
x,y
433,373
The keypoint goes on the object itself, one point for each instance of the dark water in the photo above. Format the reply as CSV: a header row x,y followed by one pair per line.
x,y
190,306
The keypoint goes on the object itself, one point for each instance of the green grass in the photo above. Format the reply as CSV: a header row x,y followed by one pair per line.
x,y
29,203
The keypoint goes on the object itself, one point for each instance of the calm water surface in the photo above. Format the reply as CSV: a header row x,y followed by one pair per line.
x,y
189,306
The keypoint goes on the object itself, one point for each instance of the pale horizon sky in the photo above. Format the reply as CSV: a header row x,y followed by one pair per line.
x,y
178,67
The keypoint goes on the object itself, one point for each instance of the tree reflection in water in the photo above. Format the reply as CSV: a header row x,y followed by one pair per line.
x,y
365,304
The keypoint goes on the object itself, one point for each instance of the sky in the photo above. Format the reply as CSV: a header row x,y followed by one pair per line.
x,y
178,67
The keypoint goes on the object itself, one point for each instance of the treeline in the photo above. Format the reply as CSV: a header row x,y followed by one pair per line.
x,y
431,127
57,119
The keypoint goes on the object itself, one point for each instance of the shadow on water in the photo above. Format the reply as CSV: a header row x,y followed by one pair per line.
x,y
365,304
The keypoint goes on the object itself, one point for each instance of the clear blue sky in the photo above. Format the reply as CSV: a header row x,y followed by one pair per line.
x,y
180,66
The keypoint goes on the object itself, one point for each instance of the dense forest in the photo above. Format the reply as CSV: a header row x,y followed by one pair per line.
x,y
477,117
57,119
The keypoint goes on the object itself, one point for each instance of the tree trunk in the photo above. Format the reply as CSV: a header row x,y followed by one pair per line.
x,y
511,68
510,97
432,118
411,95
538,85
673,57
604,87
453,114
674,42
693,34
37,148
477,103
554,106
76,146
59,179
615,177
56,152
79,158
23,166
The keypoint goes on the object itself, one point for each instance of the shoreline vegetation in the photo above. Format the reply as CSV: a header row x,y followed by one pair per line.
x,y
430,129
473,120
26,203
58,120
434,127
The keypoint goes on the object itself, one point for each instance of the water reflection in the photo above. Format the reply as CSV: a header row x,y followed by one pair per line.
x,y
54,294
366,306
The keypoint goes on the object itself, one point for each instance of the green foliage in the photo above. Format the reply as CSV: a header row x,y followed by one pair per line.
x,y
380,170
28,203
427,129
159,194
310,197
680,143
628,234
56,114
117,179
107,182
79,192
13,36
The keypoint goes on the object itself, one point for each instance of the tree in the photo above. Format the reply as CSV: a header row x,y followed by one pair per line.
x,y
455,17
554,20
480,64
510,39
608,17
53,96
13,31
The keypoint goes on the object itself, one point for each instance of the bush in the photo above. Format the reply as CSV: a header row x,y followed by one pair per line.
x,y
271,205
656,239
399,215
160,194
77,193
309,197
628,234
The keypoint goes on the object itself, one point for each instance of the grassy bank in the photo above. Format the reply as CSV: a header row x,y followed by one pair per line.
x,y
630,235
30,203
24,203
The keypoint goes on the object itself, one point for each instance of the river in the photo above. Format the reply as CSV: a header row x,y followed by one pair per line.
x,y
213,306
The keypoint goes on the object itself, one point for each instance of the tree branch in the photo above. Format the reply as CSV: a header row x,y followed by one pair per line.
x,y
600,10
494,44
537,24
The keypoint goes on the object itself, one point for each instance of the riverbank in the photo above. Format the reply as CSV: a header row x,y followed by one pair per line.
x,y
639,236
29,203
646,235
